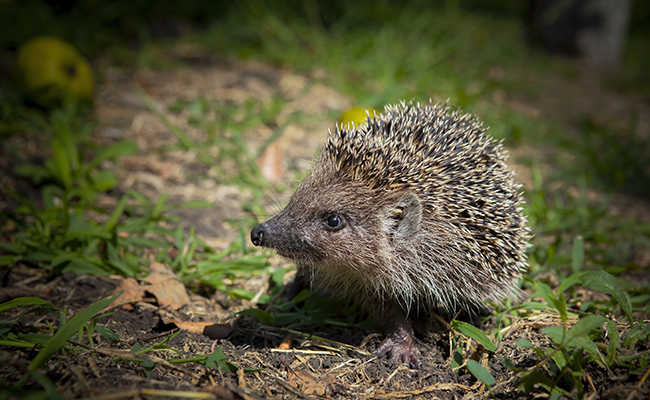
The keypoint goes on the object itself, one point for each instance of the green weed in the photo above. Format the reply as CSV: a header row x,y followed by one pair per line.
x,y
216,360
378,53
561,214
560,369
67,339
65,231
11,335
617,159
459,332
57,230
216,269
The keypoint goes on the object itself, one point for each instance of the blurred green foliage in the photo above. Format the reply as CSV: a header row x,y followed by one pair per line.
x,y
94,25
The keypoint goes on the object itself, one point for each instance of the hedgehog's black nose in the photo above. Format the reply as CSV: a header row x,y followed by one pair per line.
x,y
257,235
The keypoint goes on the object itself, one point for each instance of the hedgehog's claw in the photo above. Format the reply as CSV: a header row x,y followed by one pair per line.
x,y
400,342
404,351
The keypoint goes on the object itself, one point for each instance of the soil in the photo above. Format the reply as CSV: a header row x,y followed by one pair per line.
x,y
273,364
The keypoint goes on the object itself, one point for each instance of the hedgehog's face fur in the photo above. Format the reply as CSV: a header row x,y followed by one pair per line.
x,y
340,224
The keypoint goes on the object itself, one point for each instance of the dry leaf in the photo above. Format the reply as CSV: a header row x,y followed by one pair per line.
x,y
131,292
286,342
165,285
162,283
270,163
210,329
310,384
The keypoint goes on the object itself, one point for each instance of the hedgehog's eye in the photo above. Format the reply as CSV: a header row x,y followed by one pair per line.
x,y
334,222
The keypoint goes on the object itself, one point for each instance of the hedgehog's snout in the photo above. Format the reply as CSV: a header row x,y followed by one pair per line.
x,y
258,233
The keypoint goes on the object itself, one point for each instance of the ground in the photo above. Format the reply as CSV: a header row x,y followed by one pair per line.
x,y
272,362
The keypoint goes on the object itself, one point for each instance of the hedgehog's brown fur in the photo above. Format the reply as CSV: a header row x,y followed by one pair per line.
x,y
430,218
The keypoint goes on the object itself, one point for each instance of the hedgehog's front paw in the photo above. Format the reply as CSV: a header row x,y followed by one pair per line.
x,y
401,345
404,351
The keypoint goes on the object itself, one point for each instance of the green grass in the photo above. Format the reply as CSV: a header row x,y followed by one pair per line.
x,y
65,230
377,53
12,335
75,335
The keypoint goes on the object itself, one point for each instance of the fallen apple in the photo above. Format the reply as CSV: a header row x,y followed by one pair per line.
x,y
50,70
356,116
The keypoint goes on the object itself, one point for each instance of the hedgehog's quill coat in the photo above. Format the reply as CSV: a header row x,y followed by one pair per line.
x,y
414,210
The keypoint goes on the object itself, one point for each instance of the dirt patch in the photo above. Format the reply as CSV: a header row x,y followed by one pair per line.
x,y
307,368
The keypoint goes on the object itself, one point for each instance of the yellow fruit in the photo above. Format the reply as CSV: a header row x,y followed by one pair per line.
x,y
51,69
356,115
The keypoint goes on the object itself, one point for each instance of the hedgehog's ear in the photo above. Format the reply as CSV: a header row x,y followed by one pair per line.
x,y
406,217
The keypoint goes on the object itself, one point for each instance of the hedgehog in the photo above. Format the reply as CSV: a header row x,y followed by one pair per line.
x,y
411,213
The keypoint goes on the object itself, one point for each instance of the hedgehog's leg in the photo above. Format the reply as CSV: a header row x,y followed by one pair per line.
x,y
400,341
